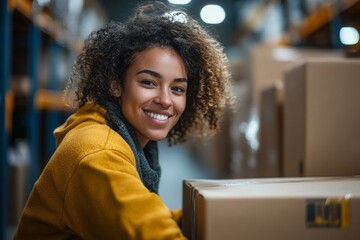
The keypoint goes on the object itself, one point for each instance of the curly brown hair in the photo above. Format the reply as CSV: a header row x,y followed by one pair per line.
x,y
109,51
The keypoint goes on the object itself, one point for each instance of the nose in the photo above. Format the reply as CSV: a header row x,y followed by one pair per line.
x,y
163,98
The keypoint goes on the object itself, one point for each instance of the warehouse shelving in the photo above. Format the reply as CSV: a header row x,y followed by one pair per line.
x,y
5,42
37,50
317,27
324,15
320,28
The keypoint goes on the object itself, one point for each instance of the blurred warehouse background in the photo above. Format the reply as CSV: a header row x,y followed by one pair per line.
x,y
295,66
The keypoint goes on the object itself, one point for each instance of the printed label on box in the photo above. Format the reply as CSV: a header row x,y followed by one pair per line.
x,y
327,212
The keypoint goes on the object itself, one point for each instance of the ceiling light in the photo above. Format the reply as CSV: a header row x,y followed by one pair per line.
x,y
212,14
349,36
182,2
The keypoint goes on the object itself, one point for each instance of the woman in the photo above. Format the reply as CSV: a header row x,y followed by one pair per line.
x,y
160,75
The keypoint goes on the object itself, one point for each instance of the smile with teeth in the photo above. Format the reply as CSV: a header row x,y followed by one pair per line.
x,y
156,116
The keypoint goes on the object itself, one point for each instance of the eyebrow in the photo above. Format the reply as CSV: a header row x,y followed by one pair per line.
x,y
158,75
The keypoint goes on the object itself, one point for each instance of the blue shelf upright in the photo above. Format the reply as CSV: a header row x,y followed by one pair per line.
x,y
33,113
5,66
336,25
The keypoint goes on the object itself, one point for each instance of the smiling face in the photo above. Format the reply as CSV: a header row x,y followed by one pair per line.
x,y
154,93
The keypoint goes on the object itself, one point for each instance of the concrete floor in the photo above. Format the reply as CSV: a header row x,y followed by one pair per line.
x,y
178,163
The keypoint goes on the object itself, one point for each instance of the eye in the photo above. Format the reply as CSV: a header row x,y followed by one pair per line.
x,y
148,83
178,90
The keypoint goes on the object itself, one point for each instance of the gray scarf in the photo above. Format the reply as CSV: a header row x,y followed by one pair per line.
x,y
147,158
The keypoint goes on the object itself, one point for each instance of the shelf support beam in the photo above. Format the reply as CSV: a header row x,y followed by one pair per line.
x,y
5,66
33,113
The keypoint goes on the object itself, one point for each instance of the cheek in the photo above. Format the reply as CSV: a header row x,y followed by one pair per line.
x,y
133,97
181,104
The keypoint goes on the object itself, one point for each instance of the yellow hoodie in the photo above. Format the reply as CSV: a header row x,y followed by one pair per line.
x,y
90,189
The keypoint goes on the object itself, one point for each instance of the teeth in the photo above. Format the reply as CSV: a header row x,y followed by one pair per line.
x,y
159,117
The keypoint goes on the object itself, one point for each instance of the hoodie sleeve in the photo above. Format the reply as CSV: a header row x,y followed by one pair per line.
x,y
106,199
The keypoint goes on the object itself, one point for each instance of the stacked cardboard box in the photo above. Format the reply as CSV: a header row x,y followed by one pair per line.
x,y
267,66
270,134
273,208
321,118
268,62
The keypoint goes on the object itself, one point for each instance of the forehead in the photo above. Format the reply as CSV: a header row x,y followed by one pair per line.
x,y
155,51
161,58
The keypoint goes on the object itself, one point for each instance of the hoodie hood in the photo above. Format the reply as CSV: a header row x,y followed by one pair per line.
x,y
84,116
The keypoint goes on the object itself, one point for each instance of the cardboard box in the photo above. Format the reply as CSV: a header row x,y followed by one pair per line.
x,y
273,208
267,63
321,118
270,132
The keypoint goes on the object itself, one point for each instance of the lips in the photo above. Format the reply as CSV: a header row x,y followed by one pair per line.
x,y
157,116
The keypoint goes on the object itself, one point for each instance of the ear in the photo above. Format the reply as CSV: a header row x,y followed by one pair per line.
x,y
115,88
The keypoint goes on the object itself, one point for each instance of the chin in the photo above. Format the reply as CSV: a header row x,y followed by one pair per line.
x,y
158,137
